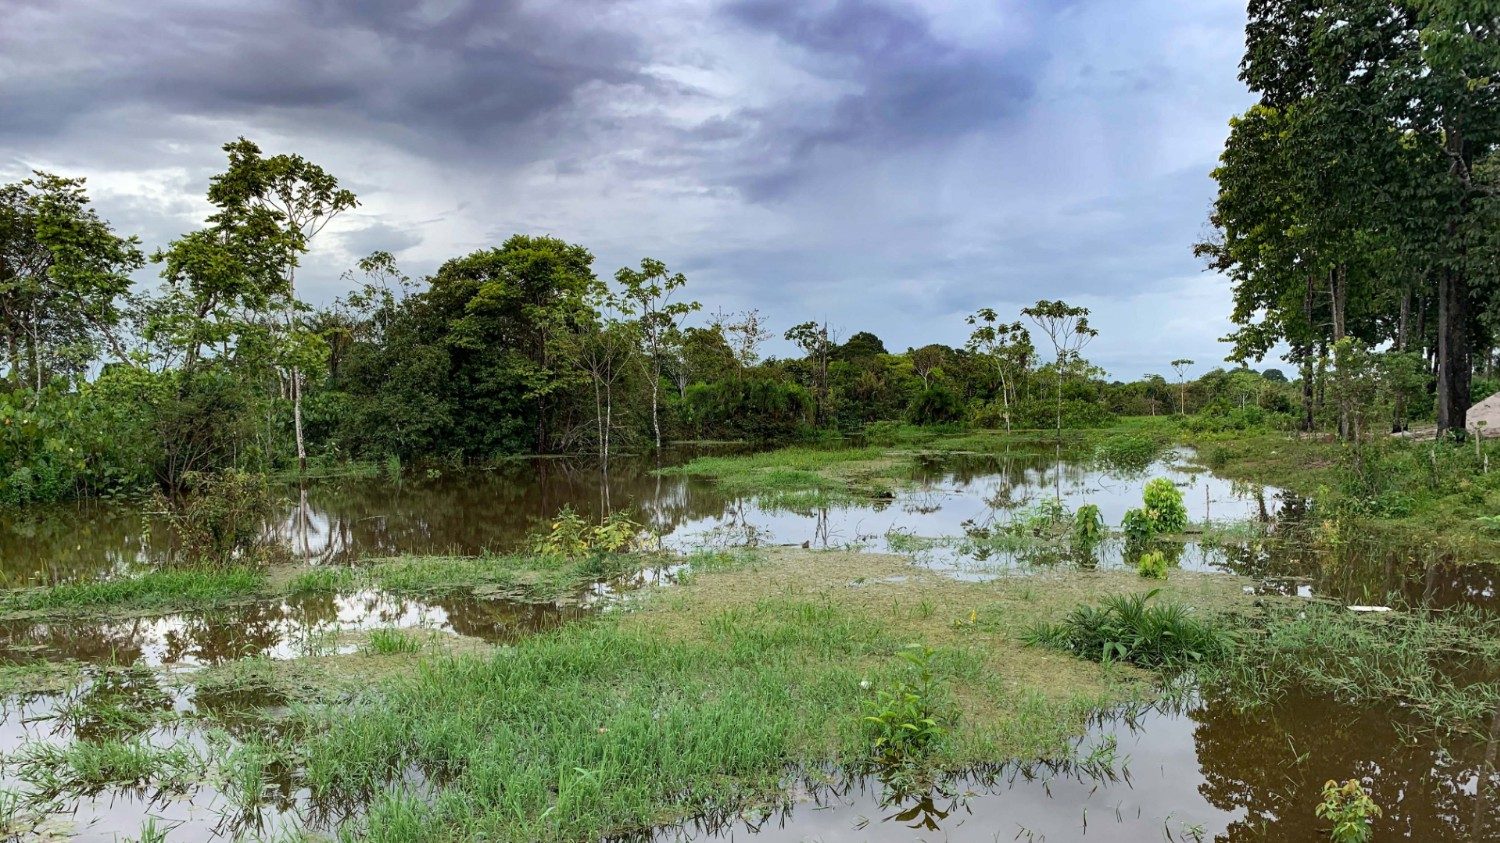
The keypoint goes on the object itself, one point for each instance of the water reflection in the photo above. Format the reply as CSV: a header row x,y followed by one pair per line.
x,y
282,629
1212,772
475,512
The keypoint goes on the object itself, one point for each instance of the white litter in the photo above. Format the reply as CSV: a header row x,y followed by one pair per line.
x,y
1369,608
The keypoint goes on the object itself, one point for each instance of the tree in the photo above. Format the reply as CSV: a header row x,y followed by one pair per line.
x,y
507,315
299,198
1008,348
1067,327
647,295
813,338
64,274
1180,367
745,332
927,361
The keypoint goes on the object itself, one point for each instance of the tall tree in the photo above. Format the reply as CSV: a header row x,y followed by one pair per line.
x,y
301,198
1007,345
1067,327
646,294
64,275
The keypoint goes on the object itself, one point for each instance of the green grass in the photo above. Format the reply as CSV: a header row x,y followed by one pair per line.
x,y
1132,628
157,589
387,642
798,476
532,577
606,727
1442,666
84,767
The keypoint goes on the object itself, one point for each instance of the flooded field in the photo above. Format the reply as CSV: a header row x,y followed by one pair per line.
x,y
1203,770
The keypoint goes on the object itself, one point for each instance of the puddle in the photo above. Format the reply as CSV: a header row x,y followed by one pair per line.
x,y
1210,773
281,629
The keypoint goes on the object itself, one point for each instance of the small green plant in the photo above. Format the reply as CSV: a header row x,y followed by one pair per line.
x,y
570,535
1088,526
902,721
1164,504
1351,810
1152,565
1163,513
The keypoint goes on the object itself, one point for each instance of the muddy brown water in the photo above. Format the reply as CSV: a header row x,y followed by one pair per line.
x,y
1207,771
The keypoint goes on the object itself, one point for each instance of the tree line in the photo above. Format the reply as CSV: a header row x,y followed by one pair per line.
x,y
1357,205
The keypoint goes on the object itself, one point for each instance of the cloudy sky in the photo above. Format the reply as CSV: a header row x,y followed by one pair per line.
x,y
887,165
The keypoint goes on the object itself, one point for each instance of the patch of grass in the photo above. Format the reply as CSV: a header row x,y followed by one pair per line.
x,y
1130,628
322,581
533,577
87,767
703,698
387,642
153,590
1443,666
797,476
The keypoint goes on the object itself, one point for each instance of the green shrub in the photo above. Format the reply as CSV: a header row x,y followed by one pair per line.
x,y
1163,513
569,535
937,404
1152,565
220,519
1164,504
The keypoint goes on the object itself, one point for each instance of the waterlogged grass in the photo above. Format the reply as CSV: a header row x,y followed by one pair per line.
x,y
1443,666
153,590
386,642
531,578
799,475
83,767
707,697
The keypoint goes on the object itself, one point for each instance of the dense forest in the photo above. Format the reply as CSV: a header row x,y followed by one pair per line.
x,y
1356,219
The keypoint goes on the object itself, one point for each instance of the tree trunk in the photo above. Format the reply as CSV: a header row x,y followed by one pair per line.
x,y
1453,369
1306,365
297,419
655,419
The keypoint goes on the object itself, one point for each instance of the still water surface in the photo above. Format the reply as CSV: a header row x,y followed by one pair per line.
x,y
1207,771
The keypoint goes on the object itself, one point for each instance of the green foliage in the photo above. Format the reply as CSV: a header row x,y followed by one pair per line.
x,y
1133,629
1152,565
569,535
221,519
1164,505
1128,451
756,407
1350,809
1163,513
1088,526
903,722
935,405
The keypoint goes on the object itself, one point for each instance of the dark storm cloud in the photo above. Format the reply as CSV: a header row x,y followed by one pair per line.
x,y
908,86
889,164
467,72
